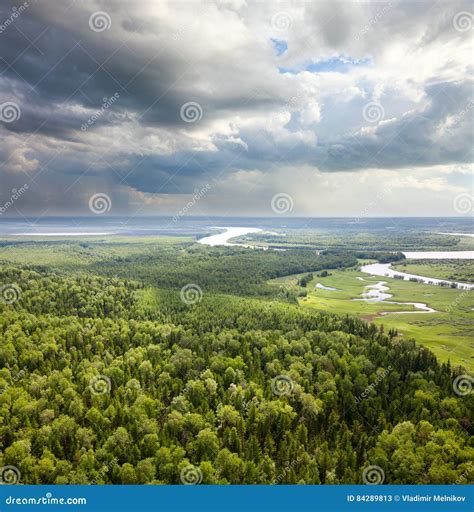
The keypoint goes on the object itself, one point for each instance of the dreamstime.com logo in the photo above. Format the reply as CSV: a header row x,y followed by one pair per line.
x,y
373,475
191,475
282,385
462,21
9,475
100,21
107,103
282,21
282,203
16,194
462,385
10,293
464,203
373,112
191,112
10,112
48,499
100,385
16,12
191,294
100,203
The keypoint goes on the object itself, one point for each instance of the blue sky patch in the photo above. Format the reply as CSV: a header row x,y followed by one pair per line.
x,y
280,46
338,64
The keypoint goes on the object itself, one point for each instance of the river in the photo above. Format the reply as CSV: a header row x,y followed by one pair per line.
x,y
375,269
223,238
384,269
439,255
374,292
377,292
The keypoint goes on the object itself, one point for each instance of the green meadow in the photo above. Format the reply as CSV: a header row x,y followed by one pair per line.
x,y
454,270
448,332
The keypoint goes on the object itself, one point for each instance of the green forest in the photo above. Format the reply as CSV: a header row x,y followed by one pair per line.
x,y
112,373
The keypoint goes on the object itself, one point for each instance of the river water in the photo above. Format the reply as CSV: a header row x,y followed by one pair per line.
x,y
375,269
223,238
375,292
384,270
439,255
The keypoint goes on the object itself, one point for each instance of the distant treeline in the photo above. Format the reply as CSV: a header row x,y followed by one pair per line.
x,y
221,269
380,256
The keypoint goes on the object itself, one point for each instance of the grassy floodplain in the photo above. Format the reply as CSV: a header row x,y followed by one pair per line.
x,y
453,270
448,332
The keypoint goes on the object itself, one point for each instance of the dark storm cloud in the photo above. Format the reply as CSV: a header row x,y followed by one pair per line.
x,y
411,140
156,57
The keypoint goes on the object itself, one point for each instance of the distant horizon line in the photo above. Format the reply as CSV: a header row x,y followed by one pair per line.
x,y
234,217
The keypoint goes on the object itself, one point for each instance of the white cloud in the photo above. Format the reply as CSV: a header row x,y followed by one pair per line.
x,y
262,129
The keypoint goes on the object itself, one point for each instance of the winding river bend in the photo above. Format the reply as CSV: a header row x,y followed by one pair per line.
x,y
223,238
385,270
377,292
374,269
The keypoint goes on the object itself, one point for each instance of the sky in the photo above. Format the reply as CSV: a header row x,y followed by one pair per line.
x,y
234,107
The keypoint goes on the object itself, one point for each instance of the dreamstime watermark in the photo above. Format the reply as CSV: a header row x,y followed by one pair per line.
x,y
9,475
460,115
290,105
462,21
458,299
373,112
10,293
104,470
464,476
373,293
191,294
191,475
373,475
279,297
100,203
282,21
291,465
100,385
282,203
16,194
380,377
464,203
47,499
197,196
282,385
191,112
10,112
177,35
16,12
374,20
15,378
100,21
188,385
107,103
462,385
376,200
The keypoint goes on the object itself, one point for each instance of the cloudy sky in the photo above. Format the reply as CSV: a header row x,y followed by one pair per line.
x,y
353,108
